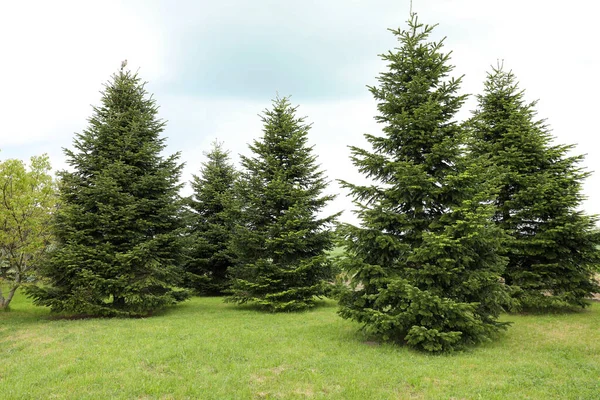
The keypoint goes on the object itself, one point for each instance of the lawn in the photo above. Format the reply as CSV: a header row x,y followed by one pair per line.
x,y
205,349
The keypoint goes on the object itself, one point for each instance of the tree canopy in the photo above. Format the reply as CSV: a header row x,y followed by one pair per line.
x,y
27,201
423,263
282,237
118,226
553,254
211,223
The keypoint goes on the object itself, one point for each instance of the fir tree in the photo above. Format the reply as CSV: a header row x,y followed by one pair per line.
x,y
423,264
213,217
281,241
554,251
117,224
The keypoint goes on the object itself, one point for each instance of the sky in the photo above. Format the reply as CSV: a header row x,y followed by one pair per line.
x,y
213,67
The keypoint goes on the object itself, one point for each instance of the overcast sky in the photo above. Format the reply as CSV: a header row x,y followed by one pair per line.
x,y
213,66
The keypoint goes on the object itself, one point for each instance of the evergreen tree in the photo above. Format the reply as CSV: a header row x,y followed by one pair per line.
x,y
423,264
211,225
281,241
117,224
554,251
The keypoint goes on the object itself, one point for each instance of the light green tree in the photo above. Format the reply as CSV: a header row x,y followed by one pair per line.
x,y
27,199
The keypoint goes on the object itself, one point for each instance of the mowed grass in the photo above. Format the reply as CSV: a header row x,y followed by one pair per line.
x,y
205,349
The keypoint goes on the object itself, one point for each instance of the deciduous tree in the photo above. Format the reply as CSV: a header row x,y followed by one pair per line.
x,y
27,200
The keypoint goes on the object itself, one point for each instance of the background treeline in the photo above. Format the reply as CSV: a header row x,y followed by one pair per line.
x,y
460,220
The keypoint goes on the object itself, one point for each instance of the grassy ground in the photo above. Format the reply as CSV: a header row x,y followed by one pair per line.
x,y
336,251
204,349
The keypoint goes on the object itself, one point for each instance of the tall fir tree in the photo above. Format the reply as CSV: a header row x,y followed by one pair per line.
x,y
554,252
282,240
211,223
423,264
117,226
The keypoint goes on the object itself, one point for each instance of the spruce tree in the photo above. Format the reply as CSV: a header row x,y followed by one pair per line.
x,y
117,225
211,224
282,239
554,251
423,263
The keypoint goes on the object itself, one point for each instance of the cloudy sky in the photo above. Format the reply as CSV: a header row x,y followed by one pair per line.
x,y
213,66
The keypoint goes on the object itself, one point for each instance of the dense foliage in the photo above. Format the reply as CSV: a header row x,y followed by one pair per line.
x,y
554,251
117,225
423,264
27,200
214,214
457,220
282,239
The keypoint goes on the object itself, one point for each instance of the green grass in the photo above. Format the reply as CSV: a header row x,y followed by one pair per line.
x,y
336,251
205,349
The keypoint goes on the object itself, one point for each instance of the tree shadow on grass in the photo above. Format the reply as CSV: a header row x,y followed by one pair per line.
x,y
352,333
320,304
555,311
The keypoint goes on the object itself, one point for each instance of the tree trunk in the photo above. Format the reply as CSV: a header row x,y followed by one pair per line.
x,y
118,302
4,302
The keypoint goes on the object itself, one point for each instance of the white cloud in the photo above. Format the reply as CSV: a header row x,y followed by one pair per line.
x,y
57,54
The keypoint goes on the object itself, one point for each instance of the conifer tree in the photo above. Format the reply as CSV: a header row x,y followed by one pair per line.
x,y
282,239
117,224
423,264
214,214
554,251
